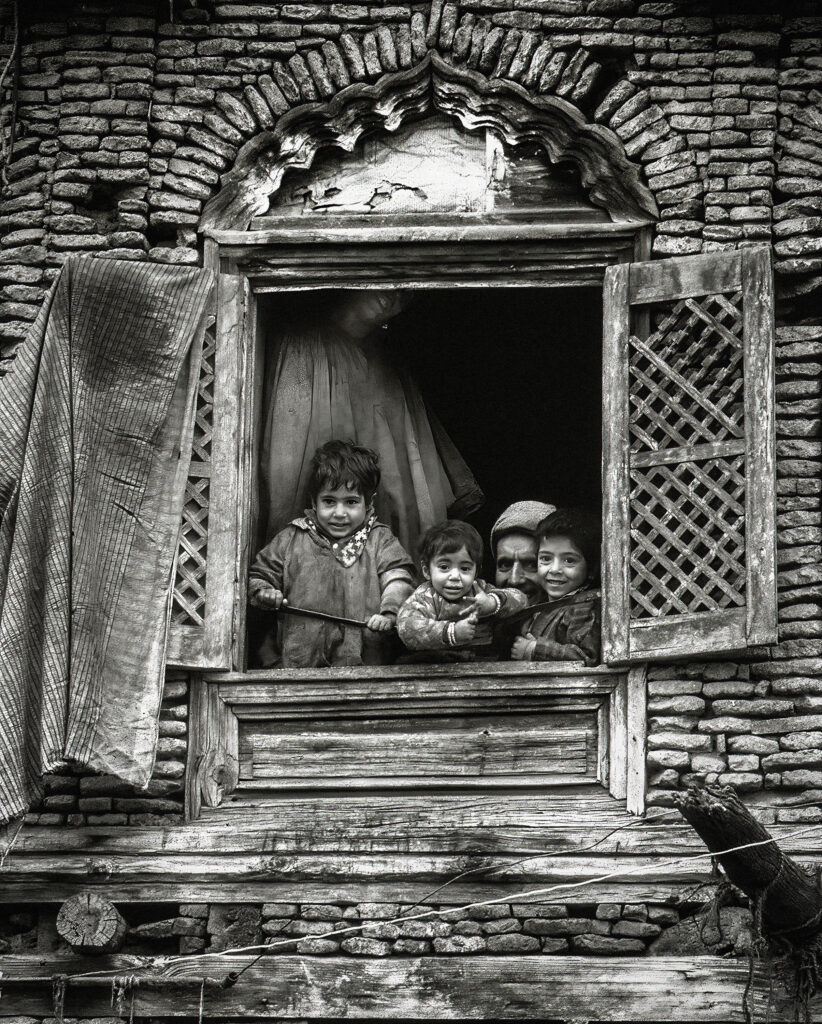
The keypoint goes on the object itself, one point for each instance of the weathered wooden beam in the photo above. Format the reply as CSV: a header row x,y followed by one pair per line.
x,y
703,989
791,902
240,857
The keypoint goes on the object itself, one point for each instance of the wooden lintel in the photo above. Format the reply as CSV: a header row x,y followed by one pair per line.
x,y
451,228
289,987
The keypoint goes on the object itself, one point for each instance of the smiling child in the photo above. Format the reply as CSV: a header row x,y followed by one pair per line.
x,y
335,558
567,626
453,608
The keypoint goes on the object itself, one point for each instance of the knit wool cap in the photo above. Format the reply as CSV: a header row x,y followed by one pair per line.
x,y
522,515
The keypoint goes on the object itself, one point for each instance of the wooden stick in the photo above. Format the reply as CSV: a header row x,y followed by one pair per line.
x,y
311,613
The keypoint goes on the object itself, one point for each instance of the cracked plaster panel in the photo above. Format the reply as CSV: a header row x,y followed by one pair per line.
x,y
432,166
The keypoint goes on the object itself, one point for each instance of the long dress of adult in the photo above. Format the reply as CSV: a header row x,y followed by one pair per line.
x,y
329,384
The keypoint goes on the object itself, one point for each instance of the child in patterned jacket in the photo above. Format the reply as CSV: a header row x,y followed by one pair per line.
x,y
453,610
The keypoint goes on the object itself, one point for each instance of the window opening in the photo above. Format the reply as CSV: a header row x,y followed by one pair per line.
x,y
513,374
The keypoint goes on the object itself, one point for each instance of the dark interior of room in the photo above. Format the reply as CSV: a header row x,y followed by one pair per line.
x,y
514,375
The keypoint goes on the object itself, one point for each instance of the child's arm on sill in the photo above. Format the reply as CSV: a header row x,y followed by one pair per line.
x,y
497,602
395,591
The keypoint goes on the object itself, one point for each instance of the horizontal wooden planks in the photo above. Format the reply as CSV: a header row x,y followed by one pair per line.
x,y
429,750
676,989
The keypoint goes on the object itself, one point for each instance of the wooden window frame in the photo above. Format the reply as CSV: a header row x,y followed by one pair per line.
x,y
221,705
435,251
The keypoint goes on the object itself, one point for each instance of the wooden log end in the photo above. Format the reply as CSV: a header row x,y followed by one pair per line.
x,y
90,924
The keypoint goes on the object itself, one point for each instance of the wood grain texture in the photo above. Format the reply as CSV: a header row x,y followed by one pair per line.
x,y
760,419
91,924
685,276
212,767
288,987
424,750
615,485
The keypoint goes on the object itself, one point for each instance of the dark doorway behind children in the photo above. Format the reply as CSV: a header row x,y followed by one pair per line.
x,y
514,375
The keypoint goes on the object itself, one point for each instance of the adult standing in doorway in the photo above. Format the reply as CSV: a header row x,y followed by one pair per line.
x,y
333,378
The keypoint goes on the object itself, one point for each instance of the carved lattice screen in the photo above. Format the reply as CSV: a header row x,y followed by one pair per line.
x,y
188,607
204,595
689,477
687,510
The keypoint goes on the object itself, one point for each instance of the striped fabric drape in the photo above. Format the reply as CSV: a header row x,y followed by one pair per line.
x,y
95,428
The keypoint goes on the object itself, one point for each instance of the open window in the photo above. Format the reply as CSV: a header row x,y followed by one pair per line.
x,y
690,548
684,398
653,397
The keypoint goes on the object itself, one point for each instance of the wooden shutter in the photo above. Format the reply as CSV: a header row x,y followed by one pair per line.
x,y
689,564
202,613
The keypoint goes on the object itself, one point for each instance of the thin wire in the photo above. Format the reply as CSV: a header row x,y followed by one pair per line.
x,y
511,897
483,869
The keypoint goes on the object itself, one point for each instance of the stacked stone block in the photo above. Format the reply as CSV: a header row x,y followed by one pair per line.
x,y
79,798
798,210
131,122
378,929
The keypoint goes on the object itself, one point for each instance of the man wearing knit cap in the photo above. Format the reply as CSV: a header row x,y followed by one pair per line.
x,y
515,547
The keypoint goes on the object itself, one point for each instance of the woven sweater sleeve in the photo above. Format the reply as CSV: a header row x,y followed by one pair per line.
x,y
417,623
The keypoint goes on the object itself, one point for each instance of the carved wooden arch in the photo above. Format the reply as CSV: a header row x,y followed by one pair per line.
x,y
473,100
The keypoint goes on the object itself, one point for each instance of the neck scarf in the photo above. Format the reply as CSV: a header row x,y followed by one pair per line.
x,y
346,552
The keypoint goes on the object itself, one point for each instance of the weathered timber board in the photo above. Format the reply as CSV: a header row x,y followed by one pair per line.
x,y
482,988
522,824
318,753
188,889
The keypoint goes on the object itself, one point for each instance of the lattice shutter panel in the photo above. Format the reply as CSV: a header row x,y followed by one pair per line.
x,y
188,608
689,563
202,612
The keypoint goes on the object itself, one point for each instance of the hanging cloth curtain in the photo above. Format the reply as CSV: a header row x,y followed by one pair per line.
x,y
96,418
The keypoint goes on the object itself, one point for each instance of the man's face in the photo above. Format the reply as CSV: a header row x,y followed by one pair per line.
x,y
517,565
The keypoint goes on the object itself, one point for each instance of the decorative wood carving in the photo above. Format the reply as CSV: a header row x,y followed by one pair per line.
x,y
212,769
433,85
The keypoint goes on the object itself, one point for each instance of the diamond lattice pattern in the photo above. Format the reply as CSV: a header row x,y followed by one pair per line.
x,y
687,551
686,378
188,606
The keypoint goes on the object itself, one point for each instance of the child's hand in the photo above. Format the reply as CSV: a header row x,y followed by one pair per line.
x,y
381,623
268,597
523,648
486,605
466,629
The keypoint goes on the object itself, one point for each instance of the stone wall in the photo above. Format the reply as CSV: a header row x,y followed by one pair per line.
x,y
127,120
79,798
378,929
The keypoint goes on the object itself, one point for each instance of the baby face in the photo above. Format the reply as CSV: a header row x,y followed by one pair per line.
x,y
452,574
340,512
561,567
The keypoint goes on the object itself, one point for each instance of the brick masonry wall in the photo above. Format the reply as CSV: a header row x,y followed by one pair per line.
x,y
126,122
377,929
78,798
